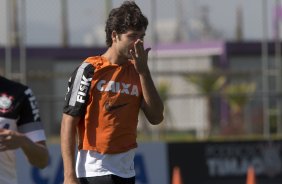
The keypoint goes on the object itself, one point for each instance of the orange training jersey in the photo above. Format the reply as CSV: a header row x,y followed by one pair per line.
x,y
108,98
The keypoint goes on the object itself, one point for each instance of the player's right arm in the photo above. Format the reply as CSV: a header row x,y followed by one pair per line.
x,y
74,108
68,143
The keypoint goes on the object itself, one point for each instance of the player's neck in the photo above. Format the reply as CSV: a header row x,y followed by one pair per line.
x,y
114,57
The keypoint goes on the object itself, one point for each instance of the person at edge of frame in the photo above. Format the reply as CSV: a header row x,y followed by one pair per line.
x,y
20,128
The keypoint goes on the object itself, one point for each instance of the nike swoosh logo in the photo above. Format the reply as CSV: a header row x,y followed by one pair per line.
x,y
114,107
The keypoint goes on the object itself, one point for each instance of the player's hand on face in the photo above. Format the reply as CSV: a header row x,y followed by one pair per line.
x,y
140,56
9,139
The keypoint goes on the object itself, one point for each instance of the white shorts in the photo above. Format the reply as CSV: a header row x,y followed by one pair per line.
x,y
92,163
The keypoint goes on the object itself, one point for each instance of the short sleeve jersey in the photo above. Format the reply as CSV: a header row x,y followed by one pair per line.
x,y
18,111
107,97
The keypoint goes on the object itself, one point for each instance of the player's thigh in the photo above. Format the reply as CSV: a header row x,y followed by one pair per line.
x,y
107,179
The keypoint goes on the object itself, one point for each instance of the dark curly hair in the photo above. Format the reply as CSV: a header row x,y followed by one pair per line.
x,y
121,19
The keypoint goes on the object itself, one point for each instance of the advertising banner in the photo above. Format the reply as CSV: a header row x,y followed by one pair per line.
x,y
150,164
226,162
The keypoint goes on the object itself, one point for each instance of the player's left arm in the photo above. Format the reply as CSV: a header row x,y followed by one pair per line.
x,y
152,104
30,135
36,152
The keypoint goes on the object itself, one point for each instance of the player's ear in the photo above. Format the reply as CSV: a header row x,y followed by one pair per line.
x,y
114,36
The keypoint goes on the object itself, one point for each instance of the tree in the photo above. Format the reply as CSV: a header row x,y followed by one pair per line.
x,y
208,84
237,96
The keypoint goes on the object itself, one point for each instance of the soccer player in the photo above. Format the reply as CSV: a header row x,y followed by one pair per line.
x,y
105,94
20,127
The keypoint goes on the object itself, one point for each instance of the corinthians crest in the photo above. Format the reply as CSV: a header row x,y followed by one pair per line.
x,y
5,103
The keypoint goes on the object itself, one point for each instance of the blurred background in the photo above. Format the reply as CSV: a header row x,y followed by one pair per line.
x,y
217,64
